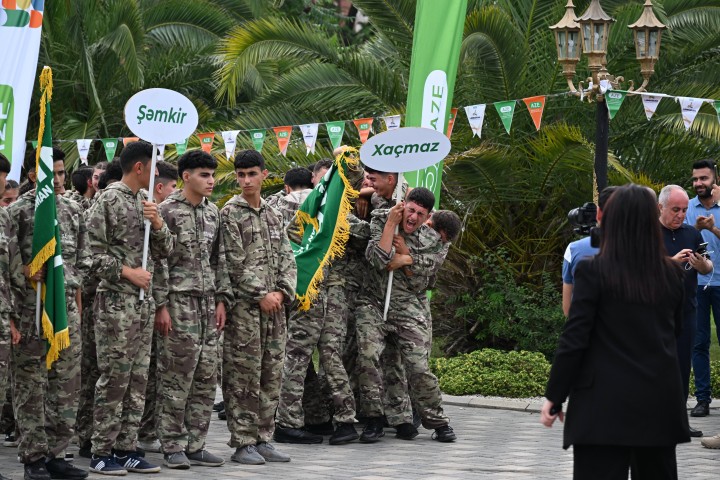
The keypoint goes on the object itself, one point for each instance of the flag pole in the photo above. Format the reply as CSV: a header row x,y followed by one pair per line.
x,y
398,199
38,306
151,188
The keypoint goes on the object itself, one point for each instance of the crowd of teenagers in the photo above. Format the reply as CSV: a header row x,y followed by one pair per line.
x,y
219,309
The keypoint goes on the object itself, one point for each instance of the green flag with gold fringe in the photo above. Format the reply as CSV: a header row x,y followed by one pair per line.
x,y
46,235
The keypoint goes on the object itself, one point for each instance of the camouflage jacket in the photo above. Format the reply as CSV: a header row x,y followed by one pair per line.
x,y
83,201
73,243
380,203
425,249
259,257
12,279
196,262
274,199
290,204
117,228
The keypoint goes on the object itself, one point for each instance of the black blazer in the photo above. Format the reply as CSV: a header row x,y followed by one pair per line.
x,y
617,362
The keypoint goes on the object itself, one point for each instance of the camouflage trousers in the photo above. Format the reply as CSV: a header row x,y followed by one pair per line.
x,y
123,332
187,365
6,376
406,329
46,400
253,354
89,373
323,325
148,423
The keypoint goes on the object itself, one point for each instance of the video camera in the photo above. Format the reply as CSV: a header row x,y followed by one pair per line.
x,y
583,219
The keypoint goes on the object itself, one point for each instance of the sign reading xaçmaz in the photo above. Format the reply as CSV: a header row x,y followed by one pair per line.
x,y
405,149
161,116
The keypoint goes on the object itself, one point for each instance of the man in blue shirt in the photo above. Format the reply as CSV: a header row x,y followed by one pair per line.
x,y
701,214
578,250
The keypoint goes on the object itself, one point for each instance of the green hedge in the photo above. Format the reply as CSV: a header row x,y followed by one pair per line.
x,y
516,374
714,380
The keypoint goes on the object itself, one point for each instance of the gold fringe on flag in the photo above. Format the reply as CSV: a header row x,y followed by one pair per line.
x,y
341,234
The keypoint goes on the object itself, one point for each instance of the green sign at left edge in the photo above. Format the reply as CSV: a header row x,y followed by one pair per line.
x,y
7,109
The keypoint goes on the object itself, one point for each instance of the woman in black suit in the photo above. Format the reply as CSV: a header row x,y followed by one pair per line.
x,y
616,358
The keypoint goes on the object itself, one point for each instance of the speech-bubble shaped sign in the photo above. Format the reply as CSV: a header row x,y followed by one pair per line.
x,y
161,116
405,149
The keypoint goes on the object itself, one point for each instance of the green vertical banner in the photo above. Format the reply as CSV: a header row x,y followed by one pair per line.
x,y
437,38
258,138
335,132
506,110
110,146
613,100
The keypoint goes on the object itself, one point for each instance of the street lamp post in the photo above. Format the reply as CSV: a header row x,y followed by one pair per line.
x,y
592,29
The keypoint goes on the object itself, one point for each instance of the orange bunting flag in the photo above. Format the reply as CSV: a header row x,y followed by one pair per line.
x,y
127,140
283,137
364,125
535,106
451,121
206,141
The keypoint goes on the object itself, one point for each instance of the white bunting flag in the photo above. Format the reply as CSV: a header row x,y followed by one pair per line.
x,y
650,102
392,122
476,117
230,139
689,108
309,133
83,147
161,151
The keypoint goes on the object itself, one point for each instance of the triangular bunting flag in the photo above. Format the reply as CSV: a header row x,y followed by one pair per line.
x,y
690,108
650,102
160,151
335,132
181,147
364,125
127,140
110,146
476,117
451,121
230,139
309,133
535,106
392,122
283,137
717,108
83,147
258,138
614,99
206,141
506,110
34,144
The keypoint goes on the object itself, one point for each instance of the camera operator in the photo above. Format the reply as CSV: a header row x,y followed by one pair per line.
x,y
681,242
578,250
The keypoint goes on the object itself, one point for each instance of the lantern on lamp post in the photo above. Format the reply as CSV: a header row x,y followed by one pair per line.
x,y
567,35
647,32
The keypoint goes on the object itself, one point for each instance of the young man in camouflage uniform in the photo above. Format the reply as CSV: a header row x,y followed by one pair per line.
x,y
165,184
198,293
83,191
298,185
124,323
406,323
46,400
263,274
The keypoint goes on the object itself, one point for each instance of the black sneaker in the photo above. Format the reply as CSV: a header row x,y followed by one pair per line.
x,y
222,415
106,466
36,470
321,428
132,462
702,409
444,434
86,449
406,431
59,468
218,407
344,433
295,435
417,419
373,430
10,440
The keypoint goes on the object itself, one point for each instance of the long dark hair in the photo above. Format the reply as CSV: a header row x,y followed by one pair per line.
x,y
633,263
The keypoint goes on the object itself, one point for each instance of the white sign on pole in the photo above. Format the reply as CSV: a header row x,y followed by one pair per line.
x,y
161,116
405,149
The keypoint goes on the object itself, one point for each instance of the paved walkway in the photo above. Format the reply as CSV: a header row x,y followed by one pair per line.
x,y
492,443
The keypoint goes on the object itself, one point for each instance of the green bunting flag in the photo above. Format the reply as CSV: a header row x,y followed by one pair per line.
x,y
34,144
322,223
258,138
181,147
46,236
613,100
506,110
110,146
335,132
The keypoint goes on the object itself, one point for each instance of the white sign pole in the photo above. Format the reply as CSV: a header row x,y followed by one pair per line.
x,y
151,188
398,199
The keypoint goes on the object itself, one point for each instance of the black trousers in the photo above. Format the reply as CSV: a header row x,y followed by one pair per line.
x,y
600,462
685,344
